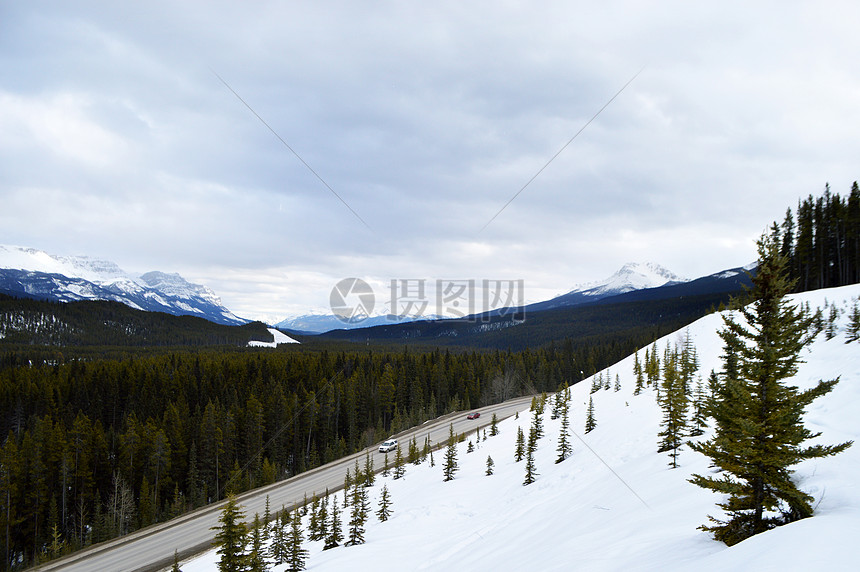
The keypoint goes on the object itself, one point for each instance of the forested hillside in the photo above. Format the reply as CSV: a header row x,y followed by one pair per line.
x,y
822,240
102,323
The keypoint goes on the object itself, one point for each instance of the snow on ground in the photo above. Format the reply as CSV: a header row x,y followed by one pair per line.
x,y
280,338
614,504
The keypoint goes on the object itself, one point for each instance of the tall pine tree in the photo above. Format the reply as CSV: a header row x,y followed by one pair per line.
x,y
758,416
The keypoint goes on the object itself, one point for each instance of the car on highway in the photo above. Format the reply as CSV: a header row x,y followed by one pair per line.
x,y
387,446
473,415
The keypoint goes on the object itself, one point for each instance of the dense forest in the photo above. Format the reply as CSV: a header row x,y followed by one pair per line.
x,y
822,240
99,447
105,323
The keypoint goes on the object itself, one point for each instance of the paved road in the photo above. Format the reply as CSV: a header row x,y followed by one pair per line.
x,y
153,548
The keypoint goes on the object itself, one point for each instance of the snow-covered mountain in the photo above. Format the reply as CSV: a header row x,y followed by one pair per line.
x,y
320,323
632,277
614,504
36,274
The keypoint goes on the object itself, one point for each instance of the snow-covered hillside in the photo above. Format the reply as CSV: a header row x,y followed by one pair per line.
x,y
615,504
37,274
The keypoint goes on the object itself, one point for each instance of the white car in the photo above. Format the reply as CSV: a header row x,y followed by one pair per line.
x,y
387,446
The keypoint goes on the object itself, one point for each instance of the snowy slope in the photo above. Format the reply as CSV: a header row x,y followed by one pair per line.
x,y
34,273
615,504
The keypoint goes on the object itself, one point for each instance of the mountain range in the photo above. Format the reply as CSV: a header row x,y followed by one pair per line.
x,y
32,273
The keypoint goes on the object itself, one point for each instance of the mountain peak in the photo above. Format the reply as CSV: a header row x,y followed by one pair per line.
x,y
631,276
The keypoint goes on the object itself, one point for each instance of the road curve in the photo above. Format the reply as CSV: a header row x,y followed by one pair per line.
x,y
152,548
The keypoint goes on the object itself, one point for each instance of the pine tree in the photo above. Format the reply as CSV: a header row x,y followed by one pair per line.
x,y
385,466
673,401
230,538
759,418
335,527
494,426
520,450
490,465
450,466
278,548
347,486
358,515
175,567
596,382
853,329
700,406
296,555
531,447
384,511
369,475
314,521
617,382
564,448
470,448
399,464
590,421
413,453
637,372
256,557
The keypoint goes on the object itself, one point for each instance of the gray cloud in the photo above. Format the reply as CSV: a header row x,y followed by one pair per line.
x,y
116,139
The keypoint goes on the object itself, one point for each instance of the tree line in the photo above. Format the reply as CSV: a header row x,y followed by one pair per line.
x,y
821,240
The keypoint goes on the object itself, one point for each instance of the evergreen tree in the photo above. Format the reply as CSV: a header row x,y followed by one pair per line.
x,y
296,555
853,329
175,567
596,382
278,549
335,527
590,421
399,463
520,449
637,372
384,505
617,382
413,454
369,475
385,466
531,447
470,448
759,418
673,401
537,423
256,557
230,538
564,447
358,515
490,465
700,406
494,426
450,466
314,522
347,486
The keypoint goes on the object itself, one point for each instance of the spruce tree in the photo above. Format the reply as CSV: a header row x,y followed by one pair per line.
x,y
537,423
399,464
369,474
853,328
384,511
520,449
256,556
564,447
758,416
637,373
335,527
175,567
590,421
358,514
490,465
297,554
450,466
494,426
230,537
278,547
531,447
673,401
385,466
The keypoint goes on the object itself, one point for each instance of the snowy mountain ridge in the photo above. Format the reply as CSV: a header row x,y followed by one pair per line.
x,y
614,504
34,273
631,276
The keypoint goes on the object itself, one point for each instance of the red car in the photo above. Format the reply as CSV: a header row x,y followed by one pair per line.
x,y
473,415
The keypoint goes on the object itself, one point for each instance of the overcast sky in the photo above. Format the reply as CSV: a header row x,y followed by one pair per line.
x,y
119,141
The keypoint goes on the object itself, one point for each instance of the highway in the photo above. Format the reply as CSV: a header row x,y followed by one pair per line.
x,y
152,548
